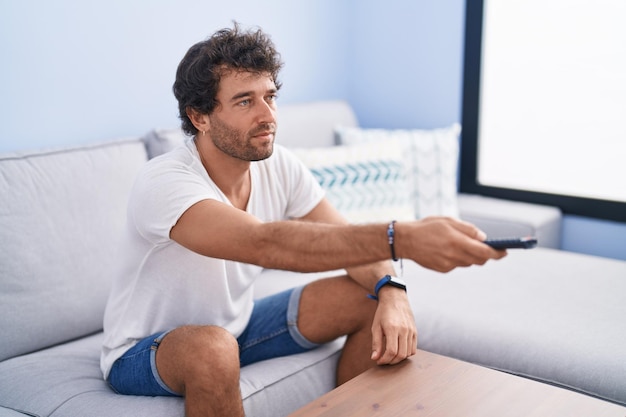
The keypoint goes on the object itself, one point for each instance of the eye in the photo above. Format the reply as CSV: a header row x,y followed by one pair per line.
x,y
244,103
272,98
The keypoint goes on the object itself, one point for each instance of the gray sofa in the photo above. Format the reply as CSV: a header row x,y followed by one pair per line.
x,y
545,314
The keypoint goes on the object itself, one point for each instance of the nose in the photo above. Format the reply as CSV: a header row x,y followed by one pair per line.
x,y
267,112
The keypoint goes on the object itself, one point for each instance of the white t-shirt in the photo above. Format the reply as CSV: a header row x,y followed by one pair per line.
x,y
162,285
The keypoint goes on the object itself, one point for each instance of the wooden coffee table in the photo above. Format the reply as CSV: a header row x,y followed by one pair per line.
x,y
433,385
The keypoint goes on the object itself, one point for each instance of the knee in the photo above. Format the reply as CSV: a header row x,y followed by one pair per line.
x,y
214,350
214,342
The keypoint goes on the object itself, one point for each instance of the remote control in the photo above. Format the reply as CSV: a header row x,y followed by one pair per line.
x,y
513,243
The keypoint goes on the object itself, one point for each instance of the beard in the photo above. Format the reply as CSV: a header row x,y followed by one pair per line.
x,y
238,144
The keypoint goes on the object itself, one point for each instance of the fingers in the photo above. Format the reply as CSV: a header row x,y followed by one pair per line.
x,y
397,349
394,346
468,229
444,243
475,233
377,343
390,353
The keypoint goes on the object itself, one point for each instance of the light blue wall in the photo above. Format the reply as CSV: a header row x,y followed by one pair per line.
x,y
76,71
406,59
594,237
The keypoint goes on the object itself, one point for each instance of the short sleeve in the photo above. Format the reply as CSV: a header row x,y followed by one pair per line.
x,y
163,191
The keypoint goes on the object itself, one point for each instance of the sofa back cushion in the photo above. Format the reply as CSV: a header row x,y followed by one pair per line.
x,y
313,124
61,214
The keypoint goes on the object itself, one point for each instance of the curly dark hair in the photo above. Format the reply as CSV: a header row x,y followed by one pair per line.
x,y
199,73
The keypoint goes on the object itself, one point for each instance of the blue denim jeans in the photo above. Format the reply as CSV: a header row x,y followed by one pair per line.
x,y
271,332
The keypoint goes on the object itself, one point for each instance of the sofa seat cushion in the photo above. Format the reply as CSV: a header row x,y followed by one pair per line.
x,y
66,380
550,315
7,412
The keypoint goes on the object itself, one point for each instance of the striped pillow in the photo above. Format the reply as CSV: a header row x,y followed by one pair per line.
x,y
431,158
366,183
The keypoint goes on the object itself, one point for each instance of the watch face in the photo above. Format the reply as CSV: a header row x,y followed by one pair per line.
x,y
397,280
388,280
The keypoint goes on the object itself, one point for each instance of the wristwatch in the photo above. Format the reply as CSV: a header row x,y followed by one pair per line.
x,y
387,280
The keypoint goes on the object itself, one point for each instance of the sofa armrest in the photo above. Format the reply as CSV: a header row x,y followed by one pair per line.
x,y
504,218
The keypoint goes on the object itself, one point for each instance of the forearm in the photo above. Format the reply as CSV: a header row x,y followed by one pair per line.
x,y
368,275
311,247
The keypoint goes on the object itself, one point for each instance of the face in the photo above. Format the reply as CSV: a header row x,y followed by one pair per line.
x,y
244,123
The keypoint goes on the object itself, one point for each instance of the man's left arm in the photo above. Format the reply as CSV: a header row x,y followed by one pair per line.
x,y
394,336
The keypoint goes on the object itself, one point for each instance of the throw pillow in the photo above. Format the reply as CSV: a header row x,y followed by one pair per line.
x,y
431,158
367,183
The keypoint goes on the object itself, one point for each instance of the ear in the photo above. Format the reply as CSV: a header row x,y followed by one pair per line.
x,y
199,120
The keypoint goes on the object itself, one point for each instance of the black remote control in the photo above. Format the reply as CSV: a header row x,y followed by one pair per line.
x,y
513,243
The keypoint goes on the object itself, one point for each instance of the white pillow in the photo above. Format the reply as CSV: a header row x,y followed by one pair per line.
x,y
367,183
431,158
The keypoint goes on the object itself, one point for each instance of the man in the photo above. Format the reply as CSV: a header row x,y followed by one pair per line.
x,y
204,219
